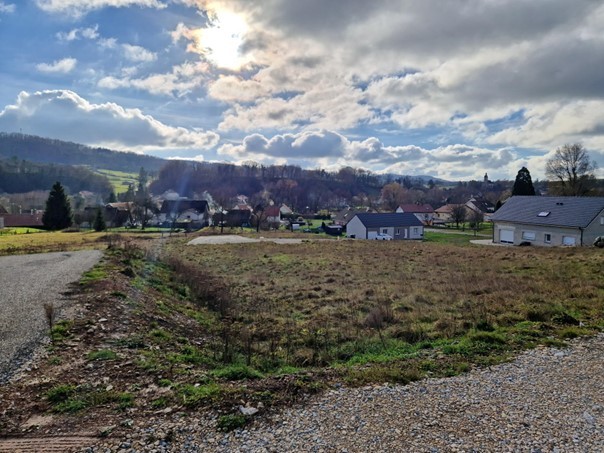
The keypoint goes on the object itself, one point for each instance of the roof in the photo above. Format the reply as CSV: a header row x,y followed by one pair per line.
x,y
447,208
120,206
389,219
172,207
417,208
575,212
22,220
345,215
483,205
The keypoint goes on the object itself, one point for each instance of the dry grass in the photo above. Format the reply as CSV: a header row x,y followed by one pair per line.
x,y
309,304
59,241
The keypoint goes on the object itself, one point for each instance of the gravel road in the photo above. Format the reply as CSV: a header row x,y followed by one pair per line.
x,y
27,282
547,400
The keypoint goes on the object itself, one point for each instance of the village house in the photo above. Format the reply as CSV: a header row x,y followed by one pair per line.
x,y
423,212
398,226
183,213
549,221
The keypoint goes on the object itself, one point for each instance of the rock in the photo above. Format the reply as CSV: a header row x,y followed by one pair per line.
x,y
247,410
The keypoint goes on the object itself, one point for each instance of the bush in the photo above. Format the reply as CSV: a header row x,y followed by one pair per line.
x,y
231,422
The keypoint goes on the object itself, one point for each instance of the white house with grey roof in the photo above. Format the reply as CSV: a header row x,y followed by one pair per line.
x,y
398,225
549,221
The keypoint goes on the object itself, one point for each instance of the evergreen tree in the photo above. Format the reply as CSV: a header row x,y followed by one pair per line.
x,y
57,215
112,198
523,184
99,221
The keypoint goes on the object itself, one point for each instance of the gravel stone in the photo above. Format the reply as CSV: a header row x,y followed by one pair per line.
x,y
546,400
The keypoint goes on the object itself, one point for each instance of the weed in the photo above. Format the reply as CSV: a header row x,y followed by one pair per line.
x,y
193,396
95,274
237,373
231,422
60,331
102,354
60,393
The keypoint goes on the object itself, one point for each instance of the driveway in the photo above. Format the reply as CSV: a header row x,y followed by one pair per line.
x,y
27,282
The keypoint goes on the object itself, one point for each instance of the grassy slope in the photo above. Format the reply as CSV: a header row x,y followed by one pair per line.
x,y
119,179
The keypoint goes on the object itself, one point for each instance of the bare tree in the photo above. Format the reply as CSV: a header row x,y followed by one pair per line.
x,y
570,171
458,214
476,218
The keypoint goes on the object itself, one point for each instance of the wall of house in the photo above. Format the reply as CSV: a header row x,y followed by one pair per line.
x,y
355,227
536,234
594,229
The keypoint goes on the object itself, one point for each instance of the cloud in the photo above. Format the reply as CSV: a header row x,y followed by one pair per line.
x,y
77,8
65,115
79,33
63,66
138,53
182,79
7,8
329,148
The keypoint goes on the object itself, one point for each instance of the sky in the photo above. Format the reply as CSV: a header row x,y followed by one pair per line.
x,y
452,89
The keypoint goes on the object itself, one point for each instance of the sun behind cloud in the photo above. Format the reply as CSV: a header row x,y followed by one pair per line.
x,y
220,42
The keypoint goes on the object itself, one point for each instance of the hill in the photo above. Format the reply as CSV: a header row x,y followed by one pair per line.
x,y
50,151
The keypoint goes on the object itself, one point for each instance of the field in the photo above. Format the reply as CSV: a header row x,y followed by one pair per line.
x,y
119,180
29,240
349,303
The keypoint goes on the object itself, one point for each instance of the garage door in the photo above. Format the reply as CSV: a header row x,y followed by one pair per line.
x,y
506,236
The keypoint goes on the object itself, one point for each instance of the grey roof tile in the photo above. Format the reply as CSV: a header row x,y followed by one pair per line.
x,y
389,219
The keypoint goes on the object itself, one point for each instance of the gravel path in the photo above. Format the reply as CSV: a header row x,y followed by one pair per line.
x,y
27,282
547,400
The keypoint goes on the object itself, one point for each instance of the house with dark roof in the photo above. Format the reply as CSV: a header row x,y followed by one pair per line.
x,y
345,215
480,205
549,221
26,220
398,225
423,212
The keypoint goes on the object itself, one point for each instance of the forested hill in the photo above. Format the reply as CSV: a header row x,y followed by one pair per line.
x,y
46,150
17,176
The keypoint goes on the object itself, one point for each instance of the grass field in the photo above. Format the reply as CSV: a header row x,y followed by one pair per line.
x,y
119,179
43,241
352,303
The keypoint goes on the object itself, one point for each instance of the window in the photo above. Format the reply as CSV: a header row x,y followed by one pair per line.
x,y
415,230
543,214
602,220
398,231
384,230
569,240
528,235
547,238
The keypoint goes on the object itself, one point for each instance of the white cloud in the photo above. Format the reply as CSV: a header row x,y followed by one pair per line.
x,y
79,33
328,148
7,8
63,66
77,8
65,115
138,53
179,81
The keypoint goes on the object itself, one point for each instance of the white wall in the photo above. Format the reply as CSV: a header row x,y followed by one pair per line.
x,y
355,227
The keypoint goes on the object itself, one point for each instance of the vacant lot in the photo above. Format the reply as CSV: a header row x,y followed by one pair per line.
x,y
355,302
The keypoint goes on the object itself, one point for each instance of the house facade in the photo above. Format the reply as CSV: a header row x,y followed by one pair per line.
x,y
185,213
423,212
401,226
549,221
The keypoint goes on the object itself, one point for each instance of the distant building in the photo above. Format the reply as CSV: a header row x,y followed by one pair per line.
x,y
549,221
400,226
423,212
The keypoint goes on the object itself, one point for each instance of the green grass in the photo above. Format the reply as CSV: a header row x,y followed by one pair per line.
x,y
119,180
20,230
449,238
101,355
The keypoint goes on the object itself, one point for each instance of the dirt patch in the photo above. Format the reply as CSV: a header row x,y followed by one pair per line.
x,y
54,444
235,239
